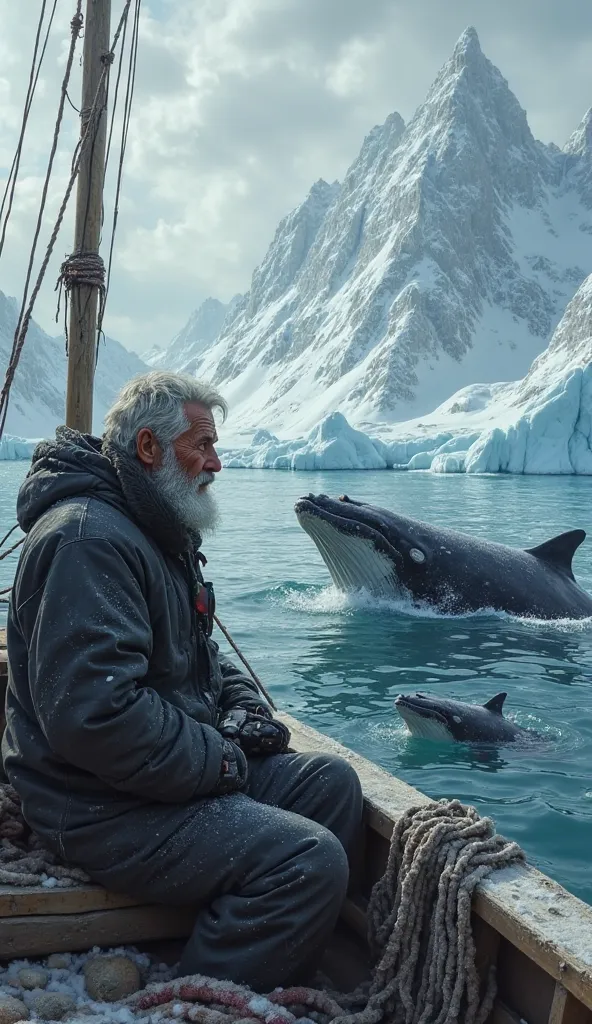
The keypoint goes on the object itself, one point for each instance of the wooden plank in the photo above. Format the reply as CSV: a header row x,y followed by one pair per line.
x,y
22,902
536,915
39,935
545,922
523,985
565,1008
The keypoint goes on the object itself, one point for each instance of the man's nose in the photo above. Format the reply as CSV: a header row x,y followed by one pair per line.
x,y
213,464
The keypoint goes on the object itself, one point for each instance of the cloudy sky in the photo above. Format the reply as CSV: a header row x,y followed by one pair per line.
x,y
240,106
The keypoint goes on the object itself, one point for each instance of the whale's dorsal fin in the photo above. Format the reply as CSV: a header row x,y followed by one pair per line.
x,y
496,704
560,550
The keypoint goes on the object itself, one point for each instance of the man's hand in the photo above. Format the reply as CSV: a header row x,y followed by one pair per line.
x,y
233,770
255,732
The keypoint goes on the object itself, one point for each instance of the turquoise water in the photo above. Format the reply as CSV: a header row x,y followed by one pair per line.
x,y
338,664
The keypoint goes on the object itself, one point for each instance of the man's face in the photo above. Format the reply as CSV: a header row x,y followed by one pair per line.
x,y
195,449
184,471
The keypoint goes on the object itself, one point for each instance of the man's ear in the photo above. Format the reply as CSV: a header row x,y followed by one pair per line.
x,y
148,448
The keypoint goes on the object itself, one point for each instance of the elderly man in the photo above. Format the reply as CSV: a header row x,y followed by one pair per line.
x,y
139,752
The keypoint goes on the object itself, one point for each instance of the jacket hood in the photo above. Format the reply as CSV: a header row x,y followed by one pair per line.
x,y
72,466
79,465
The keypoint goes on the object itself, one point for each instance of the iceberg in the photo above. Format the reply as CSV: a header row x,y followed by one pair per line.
x,y
331,444
13,448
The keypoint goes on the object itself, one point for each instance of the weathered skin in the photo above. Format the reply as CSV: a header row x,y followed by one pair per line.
x,y
367,547
436,718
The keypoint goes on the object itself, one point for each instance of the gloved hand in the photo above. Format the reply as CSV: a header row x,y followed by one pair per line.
x,y
255,732
233,770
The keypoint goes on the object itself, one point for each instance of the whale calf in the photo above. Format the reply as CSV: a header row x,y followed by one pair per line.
x,y
437,718
390,555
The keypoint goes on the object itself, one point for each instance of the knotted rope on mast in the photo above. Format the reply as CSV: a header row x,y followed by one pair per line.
x,y
81,269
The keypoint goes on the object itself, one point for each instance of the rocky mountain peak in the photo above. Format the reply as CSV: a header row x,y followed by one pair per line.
x,y
468,48
580,143
293,239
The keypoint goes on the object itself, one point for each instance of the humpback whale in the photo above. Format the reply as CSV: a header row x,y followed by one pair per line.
x,y
435,718
390,555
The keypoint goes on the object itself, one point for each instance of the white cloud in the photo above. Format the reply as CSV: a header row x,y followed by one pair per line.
x,y
240,106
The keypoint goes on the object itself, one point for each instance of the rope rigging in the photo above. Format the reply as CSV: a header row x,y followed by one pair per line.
x,y
79,267
26,312
33,79
129,96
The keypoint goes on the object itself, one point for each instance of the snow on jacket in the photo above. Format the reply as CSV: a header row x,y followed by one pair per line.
x,y
114,688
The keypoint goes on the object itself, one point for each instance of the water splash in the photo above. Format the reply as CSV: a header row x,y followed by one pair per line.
x,y
330,600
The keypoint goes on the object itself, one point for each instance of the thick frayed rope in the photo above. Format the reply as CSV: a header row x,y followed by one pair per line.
x,y
23,858
419,929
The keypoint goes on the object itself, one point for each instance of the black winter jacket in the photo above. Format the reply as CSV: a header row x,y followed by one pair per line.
x,y
114,687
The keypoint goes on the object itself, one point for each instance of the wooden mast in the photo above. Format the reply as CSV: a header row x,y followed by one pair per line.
x,y
87,232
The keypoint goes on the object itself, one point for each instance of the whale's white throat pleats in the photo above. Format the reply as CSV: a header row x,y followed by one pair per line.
x,y
354,562
424,726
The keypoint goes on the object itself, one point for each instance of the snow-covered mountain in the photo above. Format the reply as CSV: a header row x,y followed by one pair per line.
x,y
186,350
446,256
540,424
38,393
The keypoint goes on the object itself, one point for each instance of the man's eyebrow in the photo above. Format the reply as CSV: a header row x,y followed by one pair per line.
x,y
207,435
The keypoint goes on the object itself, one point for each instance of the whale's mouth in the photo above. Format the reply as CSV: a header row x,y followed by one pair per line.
x,y
357,556
421,719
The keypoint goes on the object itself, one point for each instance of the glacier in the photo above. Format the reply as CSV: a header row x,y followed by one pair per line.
x,y
541,424
446,256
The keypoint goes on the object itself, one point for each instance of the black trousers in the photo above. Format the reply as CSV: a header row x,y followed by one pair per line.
x,y
267,867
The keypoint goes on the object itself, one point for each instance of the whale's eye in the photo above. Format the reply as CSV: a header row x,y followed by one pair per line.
x,y
417,555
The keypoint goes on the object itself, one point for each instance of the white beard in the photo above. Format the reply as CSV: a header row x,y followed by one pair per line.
x,y
197,510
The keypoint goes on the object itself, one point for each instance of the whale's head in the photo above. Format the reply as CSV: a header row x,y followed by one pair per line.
x,y
436,718
364,546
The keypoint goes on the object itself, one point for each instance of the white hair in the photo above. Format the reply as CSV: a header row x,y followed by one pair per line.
x,y
156,400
